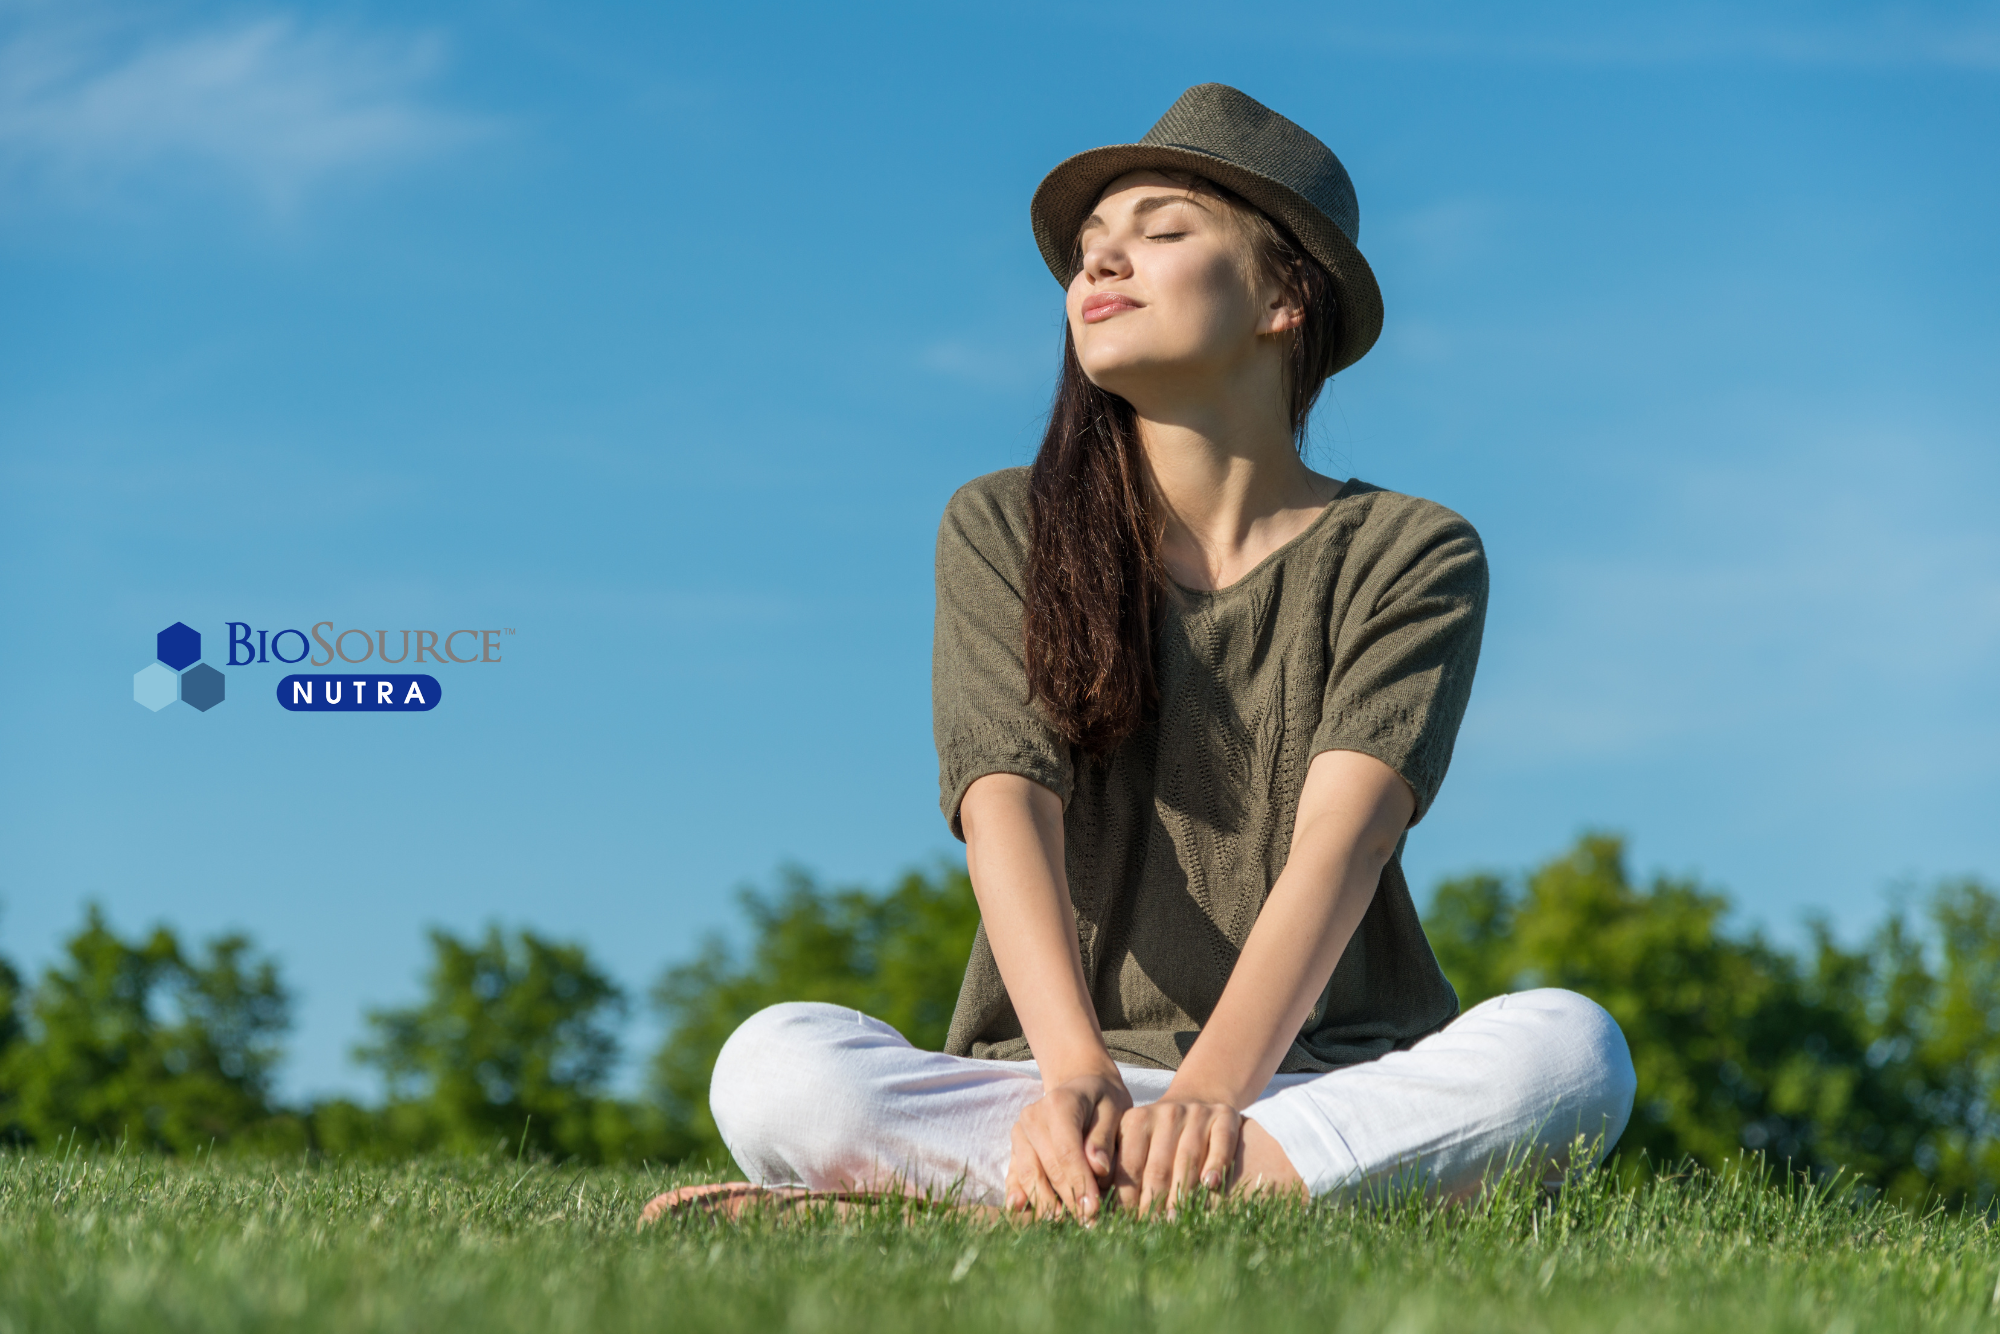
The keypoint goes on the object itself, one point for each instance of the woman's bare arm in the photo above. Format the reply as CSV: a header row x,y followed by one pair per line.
x,y
1063,1144
1352,810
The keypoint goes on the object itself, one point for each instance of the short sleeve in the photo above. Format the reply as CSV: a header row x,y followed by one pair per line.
x,y
980,711
1405,650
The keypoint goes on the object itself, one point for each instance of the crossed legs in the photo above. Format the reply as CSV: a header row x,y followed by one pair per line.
x,y
828,1099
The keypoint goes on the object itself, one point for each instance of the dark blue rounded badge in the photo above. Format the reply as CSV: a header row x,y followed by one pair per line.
x,y
359,694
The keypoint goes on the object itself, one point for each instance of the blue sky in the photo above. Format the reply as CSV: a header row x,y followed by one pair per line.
x,y
661,334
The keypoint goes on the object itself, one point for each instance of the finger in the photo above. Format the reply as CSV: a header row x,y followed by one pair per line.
x,y
1019,1165
1134,1136
1029,1193
1224,1134
1043,1201
1190,1149
1049,1202
1100,1142
1157,1180
1058,1143
1071,1167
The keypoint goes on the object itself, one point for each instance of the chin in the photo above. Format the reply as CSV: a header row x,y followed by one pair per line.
x,y
1118,356
1110,380
1123,375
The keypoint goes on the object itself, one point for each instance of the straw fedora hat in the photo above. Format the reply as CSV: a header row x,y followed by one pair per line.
x,y
1239,143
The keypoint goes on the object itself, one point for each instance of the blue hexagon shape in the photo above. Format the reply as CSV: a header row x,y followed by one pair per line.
x,y
155,687
178,646
201,686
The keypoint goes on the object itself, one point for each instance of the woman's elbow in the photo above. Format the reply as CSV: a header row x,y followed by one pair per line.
x,y
1002,801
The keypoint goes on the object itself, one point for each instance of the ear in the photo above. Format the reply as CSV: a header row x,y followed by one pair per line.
x,y
1284,314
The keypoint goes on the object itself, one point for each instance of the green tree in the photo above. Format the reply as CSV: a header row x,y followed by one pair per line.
x,y
1730,1049
138,1042
1924,996
10,1006
11,1131
899,956
513,1046
1883,1061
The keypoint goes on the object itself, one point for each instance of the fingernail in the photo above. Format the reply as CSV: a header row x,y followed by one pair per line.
x,y
1090,1204
1213,1181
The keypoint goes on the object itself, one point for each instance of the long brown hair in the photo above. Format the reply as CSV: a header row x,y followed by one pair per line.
x,y
1094,578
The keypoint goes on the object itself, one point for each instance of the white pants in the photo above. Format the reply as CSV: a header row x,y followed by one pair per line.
x,y
807,1094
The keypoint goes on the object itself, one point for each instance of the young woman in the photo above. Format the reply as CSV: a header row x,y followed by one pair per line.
x,y
1190,696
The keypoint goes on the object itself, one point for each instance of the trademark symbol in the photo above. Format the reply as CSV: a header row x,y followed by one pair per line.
x,y
508,631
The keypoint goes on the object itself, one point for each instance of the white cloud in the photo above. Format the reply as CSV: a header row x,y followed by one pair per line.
x,y
95,107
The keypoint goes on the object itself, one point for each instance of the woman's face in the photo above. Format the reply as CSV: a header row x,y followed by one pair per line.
x,y
1169,296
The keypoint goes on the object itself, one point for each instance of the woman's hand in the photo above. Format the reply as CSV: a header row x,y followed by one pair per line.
x,y
1168,1148
1063,1147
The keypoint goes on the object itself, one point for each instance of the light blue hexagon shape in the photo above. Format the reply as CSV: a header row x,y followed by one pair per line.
x,y
156,686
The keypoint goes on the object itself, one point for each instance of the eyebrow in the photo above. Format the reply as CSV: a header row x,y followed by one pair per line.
x,y
1150,204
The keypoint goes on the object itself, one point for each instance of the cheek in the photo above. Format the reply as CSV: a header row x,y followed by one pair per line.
x,y
1206,291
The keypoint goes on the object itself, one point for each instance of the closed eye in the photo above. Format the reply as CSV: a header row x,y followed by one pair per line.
x,y
1165,236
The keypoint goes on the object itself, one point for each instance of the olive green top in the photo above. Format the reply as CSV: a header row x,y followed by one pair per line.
x,y
1361,634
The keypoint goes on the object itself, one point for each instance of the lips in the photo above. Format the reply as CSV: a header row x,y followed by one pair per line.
x,y
1106,304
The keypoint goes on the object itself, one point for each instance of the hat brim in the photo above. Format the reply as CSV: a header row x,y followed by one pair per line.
x,y
1068,194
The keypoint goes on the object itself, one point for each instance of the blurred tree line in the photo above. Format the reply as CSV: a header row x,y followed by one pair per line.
x,y
511,1048
1882,1059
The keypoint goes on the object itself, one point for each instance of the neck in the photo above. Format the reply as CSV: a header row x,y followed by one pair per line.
x,y
1229,482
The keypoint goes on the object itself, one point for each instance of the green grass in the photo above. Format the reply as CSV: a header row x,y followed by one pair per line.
x,y
107,1242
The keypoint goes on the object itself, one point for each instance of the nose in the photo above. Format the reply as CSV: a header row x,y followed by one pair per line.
x,y
1104,259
